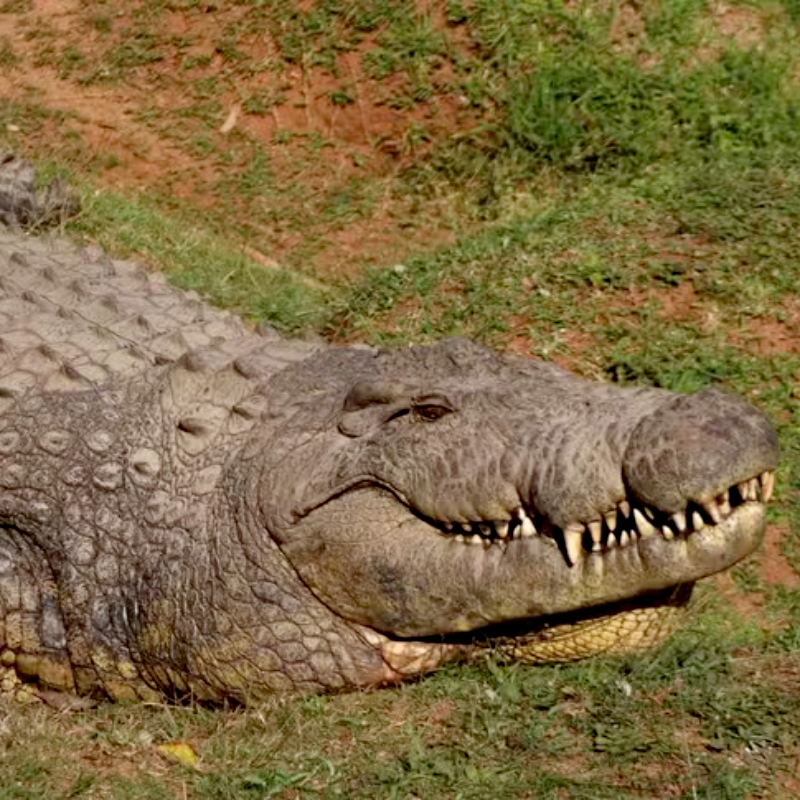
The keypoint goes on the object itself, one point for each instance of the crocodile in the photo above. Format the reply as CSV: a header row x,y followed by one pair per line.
x,y
193,509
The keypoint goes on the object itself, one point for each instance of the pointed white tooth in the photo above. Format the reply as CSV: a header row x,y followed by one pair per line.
x,y
573,542
649,513
596,530
460,538
680,521
667,532
767,485
697,521
503,530
612,541
611,519
492,529
744,490
448,526
474,540
527,528
645,528
724,504
624,508
624,539
712,510
753,489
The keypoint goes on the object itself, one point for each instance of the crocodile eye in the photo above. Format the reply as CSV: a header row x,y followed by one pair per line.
x,y
430,413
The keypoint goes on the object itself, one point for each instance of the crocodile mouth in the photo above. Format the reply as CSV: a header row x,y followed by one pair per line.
x,y
409,577
629,522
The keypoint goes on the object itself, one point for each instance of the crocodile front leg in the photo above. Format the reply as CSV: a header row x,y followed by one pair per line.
x,y
32,635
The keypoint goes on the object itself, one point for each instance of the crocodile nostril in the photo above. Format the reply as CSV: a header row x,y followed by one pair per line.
x,y
696,448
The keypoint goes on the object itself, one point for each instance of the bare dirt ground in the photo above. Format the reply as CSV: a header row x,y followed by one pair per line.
x,y
181,101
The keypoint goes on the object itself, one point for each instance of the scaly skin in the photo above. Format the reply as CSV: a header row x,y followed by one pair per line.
x,y
22,205
190,509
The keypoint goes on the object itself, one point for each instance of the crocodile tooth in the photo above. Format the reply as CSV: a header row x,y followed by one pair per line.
x,y
612,541
649,513
624,539
753,490
527,527
503,530
644,526
744,490
724,504
460,538
624,508
679,520
611,519
697,521
667,532
596,530
448,526
487,529
475,539
573,542
712,510
767,485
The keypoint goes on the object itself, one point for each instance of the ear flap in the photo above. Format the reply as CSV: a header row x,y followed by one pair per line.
x,y
369,404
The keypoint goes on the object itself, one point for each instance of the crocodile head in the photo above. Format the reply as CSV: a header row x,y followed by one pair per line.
x,y
449,489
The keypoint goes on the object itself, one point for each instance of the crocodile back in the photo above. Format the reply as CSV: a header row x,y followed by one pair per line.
x,y
71,317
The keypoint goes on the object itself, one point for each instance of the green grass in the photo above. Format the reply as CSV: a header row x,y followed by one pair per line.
x,y
204,261
685,717
625,198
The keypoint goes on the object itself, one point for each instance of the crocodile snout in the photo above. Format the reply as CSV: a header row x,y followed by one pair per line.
x,y
695,447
